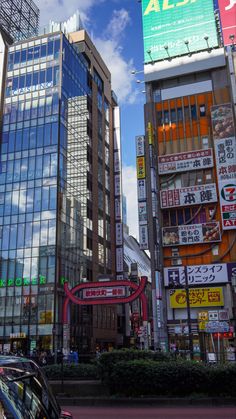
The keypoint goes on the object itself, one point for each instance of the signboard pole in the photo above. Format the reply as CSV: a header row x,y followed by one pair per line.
x,y
188,313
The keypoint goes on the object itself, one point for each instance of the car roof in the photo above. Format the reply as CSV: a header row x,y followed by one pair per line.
x,y
9,359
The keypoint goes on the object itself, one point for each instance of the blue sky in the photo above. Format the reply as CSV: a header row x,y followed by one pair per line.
x,y
115,27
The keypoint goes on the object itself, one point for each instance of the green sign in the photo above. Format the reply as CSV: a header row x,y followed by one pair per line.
x,y
19,282
177,27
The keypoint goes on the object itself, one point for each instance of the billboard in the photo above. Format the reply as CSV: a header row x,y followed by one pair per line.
x,y
142,189
142,212
168,24
183,162
143,237
141,173
140,145
225,155
192,195
197,274
191,234
198,297
228,20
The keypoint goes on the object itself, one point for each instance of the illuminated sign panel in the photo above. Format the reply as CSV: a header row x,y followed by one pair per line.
x,y
198,297
104,292
167,24
228,20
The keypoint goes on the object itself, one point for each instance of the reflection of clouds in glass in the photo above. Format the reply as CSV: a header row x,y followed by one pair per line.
x,y
44,233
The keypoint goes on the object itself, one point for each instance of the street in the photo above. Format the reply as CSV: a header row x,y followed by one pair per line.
x,y
180,412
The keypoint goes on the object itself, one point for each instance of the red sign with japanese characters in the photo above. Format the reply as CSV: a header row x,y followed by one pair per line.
x,y
228,20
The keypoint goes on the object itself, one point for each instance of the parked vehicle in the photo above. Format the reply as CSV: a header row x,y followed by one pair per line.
x,y
25,392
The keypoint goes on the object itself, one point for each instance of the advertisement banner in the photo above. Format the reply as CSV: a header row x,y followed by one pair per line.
x,y
141,173
191,234
168,24
196,275
140,144
198,297
142,213
143,237
225,154
142,189
228,20
183,162
192,195
117,185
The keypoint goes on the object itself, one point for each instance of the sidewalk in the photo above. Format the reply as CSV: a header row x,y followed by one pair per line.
x,y
144,401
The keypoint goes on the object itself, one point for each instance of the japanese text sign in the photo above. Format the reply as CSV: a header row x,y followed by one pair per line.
x,y
196,274
192,195
228,20
225,154
191,234
183,162
140,145
141,173
198,297
103,292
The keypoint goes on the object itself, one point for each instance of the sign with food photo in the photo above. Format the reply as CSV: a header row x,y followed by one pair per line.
x,y
191,234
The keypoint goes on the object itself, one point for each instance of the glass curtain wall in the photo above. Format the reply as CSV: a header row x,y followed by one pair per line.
x,y
34,189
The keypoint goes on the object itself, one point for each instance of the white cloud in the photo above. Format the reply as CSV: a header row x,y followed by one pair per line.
x,y
109,46
130,191
59,10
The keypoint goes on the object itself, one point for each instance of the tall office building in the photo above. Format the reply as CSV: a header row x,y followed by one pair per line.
x,y
57,185
186,168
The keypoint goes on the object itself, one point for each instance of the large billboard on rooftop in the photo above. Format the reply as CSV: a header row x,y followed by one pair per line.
x,y
177,27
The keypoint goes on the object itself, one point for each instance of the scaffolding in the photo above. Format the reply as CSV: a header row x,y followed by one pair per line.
x,y
19,18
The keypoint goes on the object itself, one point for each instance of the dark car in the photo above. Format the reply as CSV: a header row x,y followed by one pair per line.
x,y
25,392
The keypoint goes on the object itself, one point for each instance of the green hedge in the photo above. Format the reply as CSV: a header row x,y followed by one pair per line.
x,y
174,378
72,372
108,360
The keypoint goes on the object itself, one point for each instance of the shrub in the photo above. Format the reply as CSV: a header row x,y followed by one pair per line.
x,y
71,371
223,380
142,377
108,360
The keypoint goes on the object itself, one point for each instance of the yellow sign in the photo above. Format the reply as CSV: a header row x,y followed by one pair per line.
x,y
202,316
141,173
150,133
198,297
202,325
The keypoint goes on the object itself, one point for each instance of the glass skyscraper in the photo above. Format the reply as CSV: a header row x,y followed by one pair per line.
x,y
56,215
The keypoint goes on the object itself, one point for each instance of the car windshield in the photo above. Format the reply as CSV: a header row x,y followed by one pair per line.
x,y
24,392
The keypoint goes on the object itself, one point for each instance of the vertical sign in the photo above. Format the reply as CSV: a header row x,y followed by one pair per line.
x,y
142,202
228,20
225,153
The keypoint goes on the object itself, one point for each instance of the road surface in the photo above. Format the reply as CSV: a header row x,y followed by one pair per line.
x,y
180,412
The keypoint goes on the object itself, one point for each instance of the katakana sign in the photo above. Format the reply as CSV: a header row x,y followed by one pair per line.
x,y
197,275
193,195
225,154
198,297
183,162
217,327
191,234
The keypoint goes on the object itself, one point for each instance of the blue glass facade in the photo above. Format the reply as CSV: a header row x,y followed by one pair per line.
x,y
41,232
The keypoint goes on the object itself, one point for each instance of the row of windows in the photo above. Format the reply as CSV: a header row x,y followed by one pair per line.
x,y
35,54
31,109
28,200
184,215
29,168
37,309
31,82
180,114
31,234
30,138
